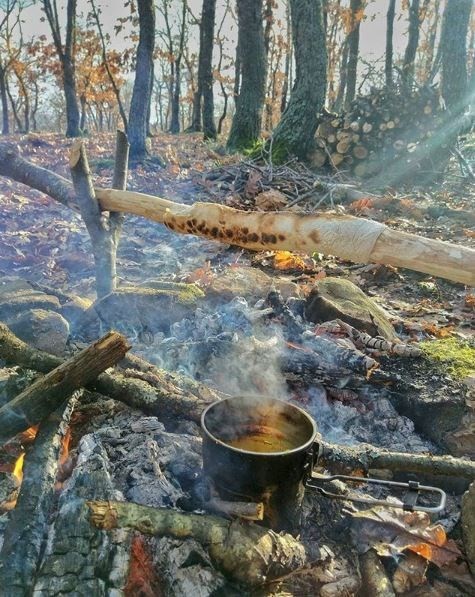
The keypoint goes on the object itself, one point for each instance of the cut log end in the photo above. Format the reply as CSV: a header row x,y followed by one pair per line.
x,y
103,514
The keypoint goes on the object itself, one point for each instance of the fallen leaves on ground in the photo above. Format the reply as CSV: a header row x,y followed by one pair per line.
x,y
391,531
410,572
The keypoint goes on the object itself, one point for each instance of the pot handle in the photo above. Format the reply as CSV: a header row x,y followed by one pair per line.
x,y
409,503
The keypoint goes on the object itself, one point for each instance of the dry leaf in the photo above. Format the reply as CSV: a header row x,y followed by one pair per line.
x,y
271,200
252,187
410,572
469,233
202,275
359,204
285,260
436,331
470,301
391,531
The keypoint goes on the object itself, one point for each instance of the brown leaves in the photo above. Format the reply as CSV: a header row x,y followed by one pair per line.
x,y
253,187
390,531
271,200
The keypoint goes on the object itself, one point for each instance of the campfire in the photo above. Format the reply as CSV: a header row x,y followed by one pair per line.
x,y
258,425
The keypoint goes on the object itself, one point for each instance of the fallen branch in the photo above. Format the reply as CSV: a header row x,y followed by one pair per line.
x,y
248,553
245,510
14,166
375,580
343,459
355,239
47,393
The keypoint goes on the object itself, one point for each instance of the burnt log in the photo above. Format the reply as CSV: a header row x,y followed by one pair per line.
x,y
47,393
365,457
248,553
27,527
155,391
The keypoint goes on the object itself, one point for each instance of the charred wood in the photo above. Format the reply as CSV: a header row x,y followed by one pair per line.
x,y
26,531
366,457
47,393
248,553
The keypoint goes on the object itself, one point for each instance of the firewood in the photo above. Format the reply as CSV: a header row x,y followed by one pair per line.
x,y
247,553
360,152
354,239
47,393
22,544
365,457
155,391
336,159
244,510
375,580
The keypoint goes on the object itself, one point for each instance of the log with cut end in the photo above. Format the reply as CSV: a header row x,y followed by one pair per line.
x,y
355,239
48,392
248,553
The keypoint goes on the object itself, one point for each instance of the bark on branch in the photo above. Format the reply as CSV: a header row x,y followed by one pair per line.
x,y
365,457
47,393
248,553
355,239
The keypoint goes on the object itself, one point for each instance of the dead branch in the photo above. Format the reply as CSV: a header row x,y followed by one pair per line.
x,y
154,391
366,457
248,553
245,510
22,545
103,247
13,166
374,577
355,239
47,393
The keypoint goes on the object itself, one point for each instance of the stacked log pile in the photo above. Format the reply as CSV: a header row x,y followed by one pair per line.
x,y
377,129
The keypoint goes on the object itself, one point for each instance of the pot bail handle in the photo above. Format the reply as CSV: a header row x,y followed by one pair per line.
x,y
409,501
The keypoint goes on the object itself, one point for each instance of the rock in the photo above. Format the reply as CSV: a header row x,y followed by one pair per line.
x,y
250,283
337,298
137,310
45,330
19,301
468,525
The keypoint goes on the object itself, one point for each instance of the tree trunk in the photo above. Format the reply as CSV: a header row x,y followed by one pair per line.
x,y
296,129
69,76
288,60
246,126
4,96
454,55
142,88
388,65
356,6
412,43
82,124
343,75
205,68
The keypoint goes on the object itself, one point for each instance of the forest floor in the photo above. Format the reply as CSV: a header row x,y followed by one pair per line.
x,y
45,242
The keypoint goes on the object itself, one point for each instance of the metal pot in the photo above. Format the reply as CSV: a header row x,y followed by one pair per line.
x,y
263,449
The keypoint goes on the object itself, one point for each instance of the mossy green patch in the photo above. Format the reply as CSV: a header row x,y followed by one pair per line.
x,y
260,149
458,355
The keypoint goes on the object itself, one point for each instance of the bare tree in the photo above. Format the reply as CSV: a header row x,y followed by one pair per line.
x,y
412,43
141,95
357,9
246,125
453,44
66,56
296,130
388,65
5,31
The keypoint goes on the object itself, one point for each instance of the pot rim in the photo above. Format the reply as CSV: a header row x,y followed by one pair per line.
x,y
300,448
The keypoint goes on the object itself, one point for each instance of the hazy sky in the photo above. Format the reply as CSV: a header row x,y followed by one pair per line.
x,y
372,37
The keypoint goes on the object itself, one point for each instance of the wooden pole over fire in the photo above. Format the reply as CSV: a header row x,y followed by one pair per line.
x,y
354,239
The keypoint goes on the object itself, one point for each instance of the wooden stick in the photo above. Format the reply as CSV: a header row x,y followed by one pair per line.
x,y
30,520
154,391
245,510
248,553
355,239
47,393
375,581
366,457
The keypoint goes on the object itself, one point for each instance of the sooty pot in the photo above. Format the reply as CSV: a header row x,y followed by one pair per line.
x,y
263,449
